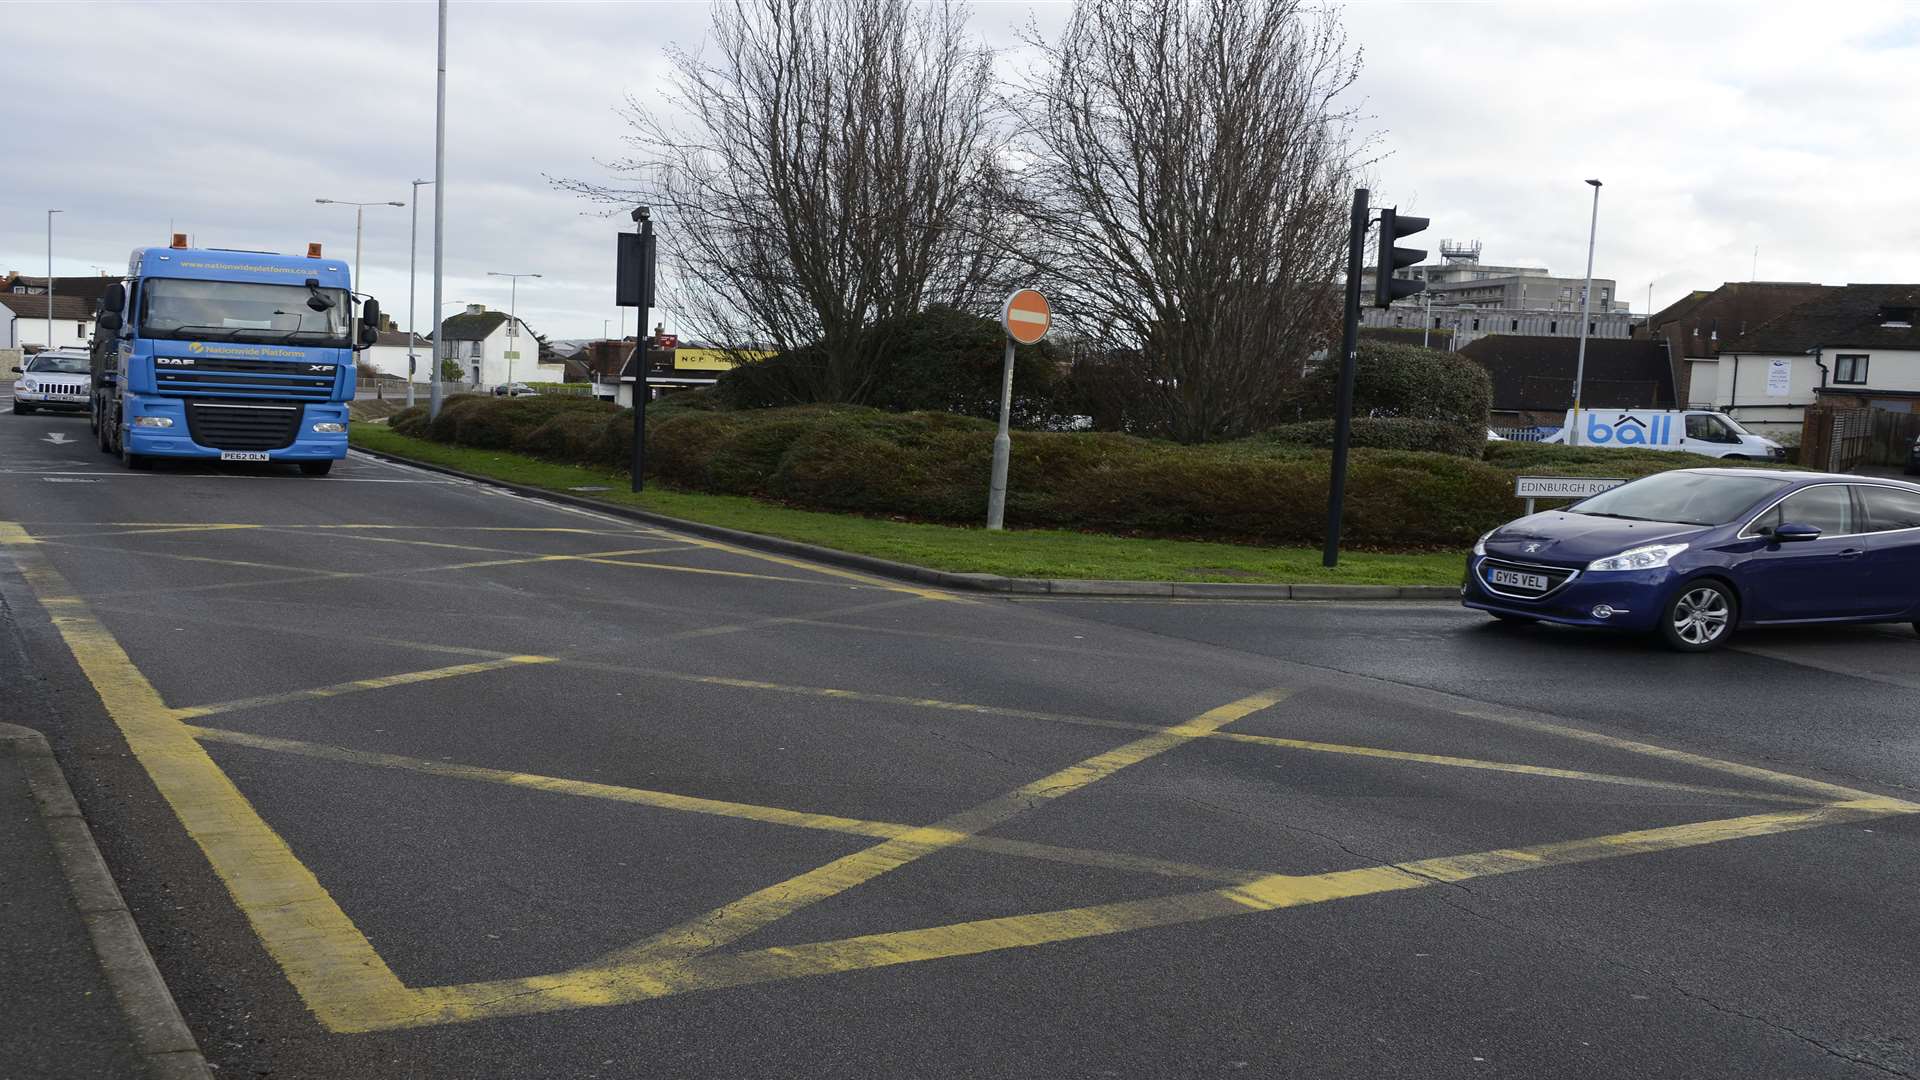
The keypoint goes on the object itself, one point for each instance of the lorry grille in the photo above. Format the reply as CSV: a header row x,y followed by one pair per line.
x,y
222,426
222,376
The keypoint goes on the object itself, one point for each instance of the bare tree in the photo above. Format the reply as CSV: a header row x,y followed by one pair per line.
x,y
1187,166
818,168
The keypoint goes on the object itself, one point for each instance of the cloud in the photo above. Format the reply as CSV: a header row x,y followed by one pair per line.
x,y
1716,129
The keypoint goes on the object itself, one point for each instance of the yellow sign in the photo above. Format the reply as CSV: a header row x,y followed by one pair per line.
x,y
712,359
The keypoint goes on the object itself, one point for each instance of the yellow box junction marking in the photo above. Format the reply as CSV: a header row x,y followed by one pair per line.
x,y
350,988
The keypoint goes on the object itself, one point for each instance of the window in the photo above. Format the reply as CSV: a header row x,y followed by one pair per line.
x,y
1516,324
1476,324
1436,321
1553,327
1593,328
1890,508
1850,369
1709,428
80,330
1828,508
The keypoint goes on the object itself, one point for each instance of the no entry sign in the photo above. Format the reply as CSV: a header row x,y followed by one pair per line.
x,y
1026,315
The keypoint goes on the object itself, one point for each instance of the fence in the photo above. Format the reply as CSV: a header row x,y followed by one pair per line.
x,y
1525,434
1836,439
396,389
1891,437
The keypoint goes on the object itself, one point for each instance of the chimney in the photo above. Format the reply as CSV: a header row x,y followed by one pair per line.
x,y
476,309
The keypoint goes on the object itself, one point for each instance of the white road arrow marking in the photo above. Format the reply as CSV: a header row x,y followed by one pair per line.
x,y
57,438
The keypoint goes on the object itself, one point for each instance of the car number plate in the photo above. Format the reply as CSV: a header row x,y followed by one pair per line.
x,y
1518,580
243,455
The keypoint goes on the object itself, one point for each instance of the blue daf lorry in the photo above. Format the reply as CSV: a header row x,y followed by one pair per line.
x,y
228,355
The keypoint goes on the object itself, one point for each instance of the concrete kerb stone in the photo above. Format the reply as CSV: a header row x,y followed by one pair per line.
x,y
160,1034
946,579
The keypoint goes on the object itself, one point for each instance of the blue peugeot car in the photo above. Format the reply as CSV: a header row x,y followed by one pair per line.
x,y
1695,554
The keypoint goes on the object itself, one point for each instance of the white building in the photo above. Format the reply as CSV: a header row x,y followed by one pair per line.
x,y
23,321
1856,344
492,349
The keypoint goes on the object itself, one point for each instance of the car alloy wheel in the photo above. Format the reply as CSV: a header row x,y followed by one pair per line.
x,y
1700,618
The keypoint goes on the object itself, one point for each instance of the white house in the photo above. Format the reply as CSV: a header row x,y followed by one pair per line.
x,y
23,321
1857,342
389,355
492,349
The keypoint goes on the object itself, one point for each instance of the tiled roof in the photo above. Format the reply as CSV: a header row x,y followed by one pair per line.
x,y
1844,317
31,306
1536,373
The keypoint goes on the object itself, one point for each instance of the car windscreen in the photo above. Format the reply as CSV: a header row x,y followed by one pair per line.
x,y
60,365
1687,498
242,311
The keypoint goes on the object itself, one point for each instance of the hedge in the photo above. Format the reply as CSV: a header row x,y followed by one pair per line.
x,y
934,467
1393,380
1387,433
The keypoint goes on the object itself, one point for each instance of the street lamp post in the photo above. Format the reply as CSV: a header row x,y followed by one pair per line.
x,y
513,319
413,262
359,212
50,214
1586,308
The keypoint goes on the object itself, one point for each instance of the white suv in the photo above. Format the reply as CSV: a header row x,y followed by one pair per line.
x,y
54,379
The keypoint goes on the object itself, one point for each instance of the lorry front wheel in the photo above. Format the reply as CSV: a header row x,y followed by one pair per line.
x,y
134,461
316,468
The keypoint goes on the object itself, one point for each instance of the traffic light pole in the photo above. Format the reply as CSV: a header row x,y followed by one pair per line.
x,y
640,358
1349,359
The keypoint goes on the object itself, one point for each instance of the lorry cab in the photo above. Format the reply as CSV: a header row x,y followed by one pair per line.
x,y
1694,431
228,355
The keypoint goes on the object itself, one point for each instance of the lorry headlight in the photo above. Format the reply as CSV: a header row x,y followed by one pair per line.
x,y
330,428
1651,557
152,421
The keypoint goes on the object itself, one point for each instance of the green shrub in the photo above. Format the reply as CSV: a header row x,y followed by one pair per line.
x,y
1595,460
1387,433
411,422
1402,381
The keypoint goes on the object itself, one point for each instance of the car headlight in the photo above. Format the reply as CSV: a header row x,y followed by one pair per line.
x,y
1480,545
1651,557
28,384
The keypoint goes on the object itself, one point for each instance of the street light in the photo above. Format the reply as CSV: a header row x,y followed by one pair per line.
x,y
413,244
359,212
1586,307
50,214
513,318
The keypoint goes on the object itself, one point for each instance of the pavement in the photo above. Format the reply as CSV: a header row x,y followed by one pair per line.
x,y
402,776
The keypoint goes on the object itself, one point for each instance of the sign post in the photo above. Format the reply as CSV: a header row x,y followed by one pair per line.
x,y
1026,316
633,287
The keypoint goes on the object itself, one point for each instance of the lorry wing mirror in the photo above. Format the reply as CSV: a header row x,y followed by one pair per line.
x,y
370,323
115,299
109,320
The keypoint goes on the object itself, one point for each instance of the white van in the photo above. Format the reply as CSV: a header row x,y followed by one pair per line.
x,y
1695,431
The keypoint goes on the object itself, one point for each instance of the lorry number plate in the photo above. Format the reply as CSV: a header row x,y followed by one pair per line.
x,y
243,455
1536,582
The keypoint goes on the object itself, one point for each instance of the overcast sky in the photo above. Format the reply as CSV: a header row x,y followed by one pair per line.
x,y
1717,129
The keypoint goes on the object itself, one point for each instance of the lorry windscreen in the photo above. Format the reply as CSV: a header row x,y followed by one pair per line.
x,y
242,311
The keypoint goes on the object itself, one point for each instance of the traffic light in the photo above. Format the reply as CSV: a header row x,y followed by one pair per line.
x,y
1386,287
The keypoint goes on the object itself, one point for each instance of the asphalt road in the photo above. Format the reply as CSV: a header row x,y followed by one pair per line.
x,y
406,777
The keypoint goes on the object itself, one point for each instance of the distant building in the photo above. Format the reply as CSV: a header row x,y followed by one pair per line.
x,y
23,321
1533,376
1698,324
1476,300
491,349
1857,344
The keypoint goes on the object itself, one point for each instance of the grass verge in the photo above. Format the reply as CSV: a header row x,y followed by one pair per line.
x,y
1017,553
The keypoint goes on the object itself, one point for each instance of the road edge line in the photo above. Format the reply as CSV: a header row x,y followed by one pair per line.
x,y
1090,588
165,1044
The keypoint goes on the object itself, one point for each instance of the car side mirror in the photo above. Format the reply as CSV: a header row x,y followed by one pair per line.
x,y
1794,532
17,371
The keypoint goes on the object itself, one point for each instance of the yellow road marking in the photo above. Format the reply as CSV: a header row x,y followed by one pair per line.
x,y
709,971
768,815
381,682
733,921
337,972
1751,772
